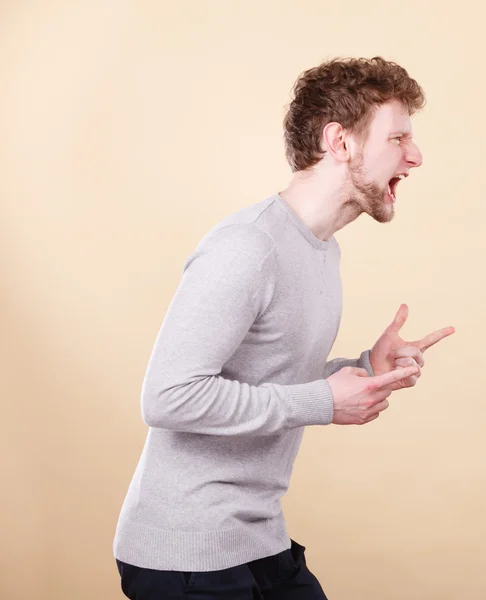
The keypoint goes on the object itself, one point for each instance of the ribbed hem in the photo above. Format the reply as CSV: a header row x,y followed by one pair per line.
x,y
364,362
312,403
172,550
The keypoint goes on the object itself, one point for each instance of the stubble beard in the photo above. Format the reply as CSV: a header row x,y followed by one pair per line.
x,y
368,197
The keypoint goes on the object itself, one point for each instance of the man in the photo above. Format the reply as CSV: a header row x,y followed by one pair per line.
x,y
239,366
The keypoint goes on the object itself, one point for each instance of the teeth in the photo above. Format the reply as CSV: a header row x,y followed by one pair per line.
x,y
401,176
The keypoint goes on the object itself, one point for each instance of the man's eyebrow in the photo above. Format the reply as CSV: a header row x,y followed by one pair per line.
x,y
402,133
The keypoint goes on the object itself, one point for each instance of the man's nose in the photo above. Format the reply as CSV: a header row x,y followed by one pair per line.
x,y
414,156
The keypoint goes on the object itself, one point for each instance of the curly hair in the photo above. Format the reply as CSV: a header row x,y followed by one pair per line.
x,y
345,91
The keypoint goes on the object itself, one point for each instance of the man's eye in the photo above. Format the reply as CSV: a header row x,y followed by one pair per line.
x,y
397,139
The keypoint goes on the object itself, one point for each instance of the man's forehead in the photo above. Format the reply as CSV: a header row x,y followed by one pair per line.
x,y
393,117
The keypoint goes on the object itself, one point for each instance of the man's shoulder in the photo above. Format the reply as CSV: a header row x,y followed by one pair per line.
x,y
244,229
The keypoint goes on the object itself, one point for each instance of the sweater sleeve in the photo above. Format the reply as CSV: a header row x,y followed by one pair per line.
x,y
226,285
363,362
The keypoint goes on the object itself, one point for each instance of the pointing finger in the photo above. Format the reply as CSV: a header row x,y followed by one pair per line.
x,y
381,381
433,338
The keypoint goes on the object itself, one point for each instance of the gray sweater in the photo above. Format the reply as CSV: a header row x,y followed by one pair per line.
x,y
237,371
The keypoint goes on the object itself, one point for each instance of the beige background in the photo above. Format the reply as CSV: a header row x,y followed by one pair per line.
x,y
127,130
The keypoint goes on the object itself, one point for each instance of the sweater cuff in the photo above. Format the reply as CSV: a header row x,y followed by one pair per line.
x,y
311,404
364,362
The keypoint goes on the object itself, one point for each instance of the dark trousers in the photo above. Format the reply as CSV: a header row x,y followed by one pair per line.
x,y
284,576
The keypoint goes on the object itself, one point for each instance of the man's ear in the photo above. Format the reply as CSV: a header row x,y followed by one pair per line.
x,y
335,141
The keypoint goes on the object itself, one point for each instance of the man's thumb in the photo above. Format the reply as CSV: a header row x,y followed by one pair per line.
x,y
360,372
399,320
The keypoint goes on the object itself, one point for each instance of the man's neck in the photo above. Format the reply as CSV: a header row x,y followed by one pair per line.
x,y
320,198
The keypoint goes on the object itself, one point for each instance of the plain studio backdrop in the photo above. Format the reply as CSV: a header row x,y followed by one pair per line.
x,y
128,129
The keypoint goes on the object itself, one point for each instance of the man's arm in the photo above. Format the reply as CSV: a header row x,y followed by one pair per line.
x,y
224,288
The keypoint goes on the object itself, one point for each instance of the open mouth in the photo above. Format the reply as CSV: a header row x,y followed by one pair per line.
x,y
392,186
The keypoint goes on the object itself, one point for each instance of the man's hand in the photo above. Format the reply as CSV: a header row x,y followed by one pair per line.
x,y
358,398
391,352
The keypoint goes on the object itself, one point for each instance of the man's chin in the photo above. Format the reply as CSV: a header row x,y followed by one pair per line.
x,y
374,206
381,212
384,216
